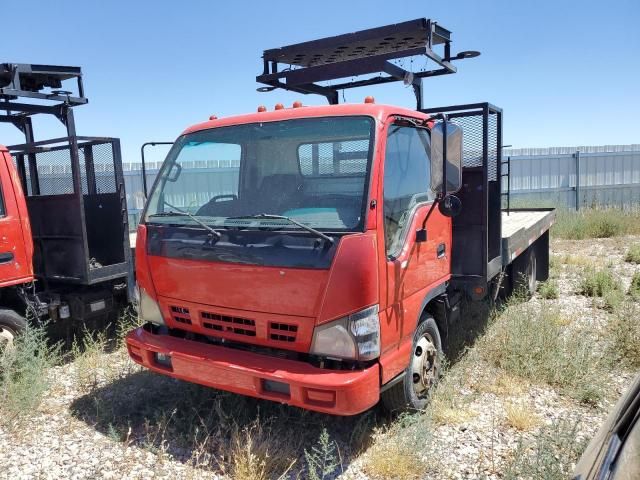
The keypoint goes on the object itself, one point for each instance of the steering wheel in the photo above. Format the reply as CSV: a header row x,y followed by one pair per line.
x,y
232,196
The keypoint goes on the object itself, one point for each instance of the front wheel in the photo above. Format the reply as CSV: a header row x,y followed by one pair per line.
x,y
11,324
423,372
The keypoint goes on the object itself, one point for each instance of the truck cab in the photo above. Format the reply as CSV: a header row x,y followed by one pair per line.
x,y
349,296
16,247
313,255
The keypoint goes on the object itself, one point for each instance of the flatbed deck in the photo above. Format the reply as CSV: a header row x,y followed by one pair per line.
x,y
520,228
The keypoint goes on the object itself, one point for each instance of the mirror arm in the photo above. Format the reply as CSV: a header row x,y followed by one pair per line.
x,y
421,235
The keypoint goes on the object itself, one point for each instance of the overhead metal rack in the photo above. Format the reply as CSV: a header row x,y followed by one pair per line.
x,y
300,67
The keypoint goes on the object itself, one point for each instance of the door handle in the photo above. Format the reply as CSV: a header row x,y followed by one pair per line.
x,y
441,250
6,257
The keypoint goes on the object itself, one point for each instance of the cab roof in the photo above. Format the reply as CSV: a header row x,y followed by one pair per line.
x,y
378,111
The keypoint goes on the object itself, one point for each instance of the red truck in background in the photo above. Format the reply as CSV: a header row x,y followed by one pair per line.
x,y
16,245
64,246
321,262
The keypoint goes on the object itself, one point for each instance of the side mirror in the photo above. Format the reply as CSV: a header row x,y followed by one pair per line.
x,y
446,157
450,206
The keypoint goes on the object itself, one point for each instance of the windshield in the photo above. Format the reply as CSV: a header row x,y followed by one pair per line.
x,y
313,170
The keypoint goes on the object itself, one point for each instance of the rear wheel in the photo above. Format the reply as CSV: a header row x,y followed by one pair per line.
x,y
413,391
11,324
525,272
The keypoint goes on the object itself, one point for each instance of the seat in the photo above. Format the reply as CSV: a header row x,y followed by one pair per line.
x,y
279,192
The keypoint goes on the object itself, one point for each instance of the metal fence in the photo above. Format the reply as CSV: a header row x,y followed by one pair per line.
x,y
579,177
567,177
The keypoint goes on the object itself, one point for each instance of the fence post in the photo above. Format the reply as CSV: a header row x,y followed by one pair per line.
x,y
577,157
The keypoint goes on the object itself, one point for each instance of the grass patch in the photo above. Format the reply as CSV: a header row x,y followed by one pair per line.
x,y
92,366
532,343
24,373
552,455
612,300
578,261
549,290
595,223
520,416
446,406
399,452
634,288
633,254
598,283
255,454
500,383
624,332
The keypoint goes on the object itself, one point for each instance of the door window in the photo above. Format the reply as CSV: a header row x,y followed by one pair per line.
x,y
406,181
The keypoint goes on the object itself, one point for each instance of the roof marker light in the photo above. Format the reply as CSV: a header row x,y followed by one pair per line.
x,y
213,117
297,104
279,106
369,99
262,108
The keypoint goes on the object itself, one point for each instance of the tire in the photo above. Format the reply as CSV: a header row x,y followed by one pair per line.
x,y
413,391
525,272
11,325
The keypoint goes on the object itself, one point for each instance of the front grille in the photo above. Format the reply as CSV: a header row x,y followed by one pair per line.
x,y
228,324
181,315
283,332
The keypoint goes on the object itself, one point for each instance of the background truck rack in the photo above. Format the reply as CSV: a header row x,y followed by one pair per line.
x,y
367,52
74,186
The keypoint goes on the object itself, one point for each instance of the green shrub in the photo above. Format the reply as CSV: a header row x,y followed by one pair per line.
x,y
597,283
322,460
634,288
23,372
633,254
624,332
612,300
548,289
530,342
595,223
552,455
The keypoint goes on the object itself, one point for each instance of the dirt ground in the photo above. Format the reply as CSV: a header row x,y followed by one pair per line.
x,y
103,417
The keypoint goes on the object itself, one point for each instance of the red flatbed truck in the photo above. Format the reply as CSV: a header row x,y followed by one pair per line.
x,y
314,255
64,247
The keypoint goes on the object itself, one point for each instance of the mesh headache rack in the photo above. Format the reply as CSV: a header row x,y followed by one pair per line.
x,y
300,67
74,185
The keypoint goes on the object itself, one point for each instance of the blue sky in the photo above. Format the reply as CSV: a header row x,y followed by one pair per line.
x,y
565,72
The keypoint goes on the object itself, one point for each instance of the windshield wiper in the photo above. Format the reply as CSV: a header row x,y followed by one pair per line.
x,y
215,233
309,229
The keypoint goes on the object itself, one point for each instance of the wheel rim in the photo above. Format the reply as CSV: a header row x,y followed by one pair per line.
x,y
6,338
424,365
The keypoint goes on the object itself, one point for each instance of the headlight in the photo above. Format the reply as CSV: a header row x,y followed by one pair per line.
x,y
356,337
148,309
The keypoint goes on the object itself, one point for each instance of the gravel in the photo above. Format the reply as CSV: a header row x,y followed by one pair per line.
x,y
52,443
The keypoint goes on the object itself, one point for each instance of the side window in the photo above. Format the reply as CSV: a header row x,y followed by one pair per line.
x,y
338,158
406,180
208,172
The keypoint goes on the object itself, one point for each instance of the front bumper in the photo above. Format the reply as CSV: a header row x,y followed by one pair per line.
x,y
338,392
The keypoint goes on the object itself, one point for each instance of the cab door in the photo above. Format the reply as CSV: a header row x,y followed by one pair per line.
x,y
16,246
412,268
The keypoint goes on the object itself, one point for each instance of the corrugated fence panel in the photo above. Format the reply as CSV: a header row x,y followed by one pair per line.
x,y
609,176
